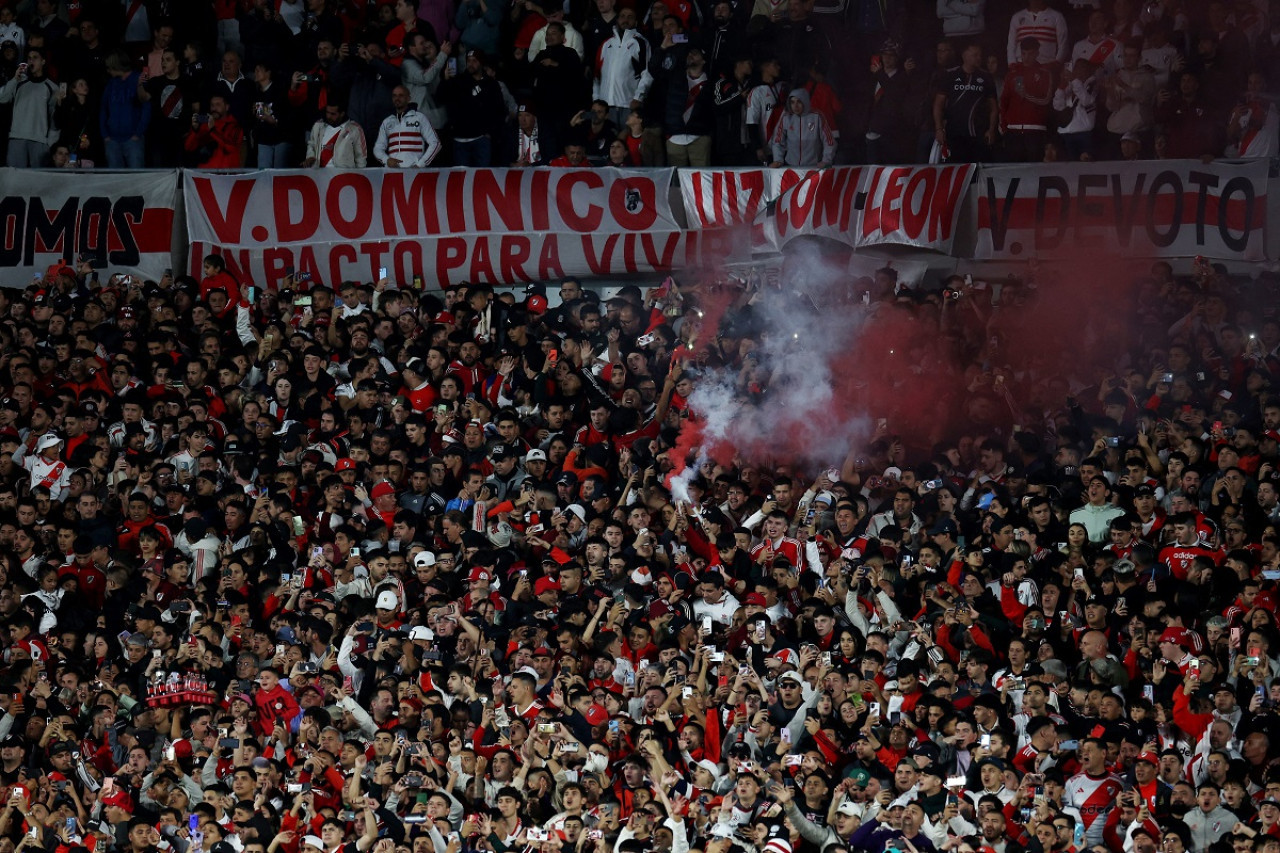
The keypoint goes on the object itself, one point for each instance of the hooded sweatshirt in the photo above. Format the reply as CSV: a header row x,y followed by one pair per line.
x,y
804,139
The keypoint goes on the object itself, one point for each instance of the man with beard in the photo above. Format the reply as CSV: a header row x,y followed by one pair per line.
x,y
335,142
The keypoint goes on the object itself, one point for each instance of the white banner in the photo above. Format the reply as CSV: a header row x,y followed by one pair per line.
x,y
1142,209
499,226
126,218
913,205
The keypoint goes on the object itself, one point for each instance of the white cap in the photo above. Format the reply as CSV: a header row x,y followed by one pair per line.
x,y
312,841
535,455
421,632
578,510
387,601
424,558
46,441
711,767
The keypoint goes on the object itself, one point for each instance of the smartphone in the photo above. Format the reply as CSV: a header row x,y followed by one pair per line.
x,y
228,743
453,65
553,357
985,741
382,273
348,684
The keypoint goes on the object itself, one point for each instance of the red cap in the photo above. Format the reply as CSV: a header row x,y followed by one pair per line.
x,y
382,487
542,585
119,799
345,464
1150,758
479,574
542,652
1177,636
536,304
596,715
755,598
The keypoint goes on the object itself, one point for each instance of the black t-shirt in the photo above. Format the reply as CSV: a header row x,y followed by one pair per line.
x,y
171,106
969,98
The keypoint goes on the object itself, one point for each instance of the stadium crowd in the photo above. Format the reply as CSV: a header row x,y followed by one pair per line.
x,y
353,568
411,83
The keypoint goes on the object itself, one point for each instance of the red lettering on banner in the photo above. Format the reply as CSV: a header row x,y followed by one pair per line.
x,y
481,266
727,197
538,196
374,252
307,263
455,190
590,220
632,204
507,201
338,253
953,183
408,259
226,225
720,200
451,254
549,265
274,263
601,263
283,190
629,252
917,201
913,204
659,261
821,200
414,211
515,252
361,219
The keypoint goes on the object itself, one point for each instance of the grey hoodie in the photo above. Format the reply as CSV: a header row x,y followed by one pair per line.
x,y
804,139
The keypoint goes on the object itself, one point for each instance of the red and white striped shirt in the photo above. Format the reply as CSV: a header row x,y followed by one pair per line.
x,y
1048,27
409,139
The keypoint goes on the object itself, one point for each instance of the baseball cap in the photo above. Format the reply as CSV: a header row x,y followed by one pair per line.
x,y
755,598
1177,636
535,455
345,464
479,574
387,600
424,558
382,487
119,799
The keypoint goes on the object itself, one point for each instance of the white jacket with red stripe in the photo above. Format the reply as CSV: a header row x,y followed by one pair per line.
x,y
407,138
